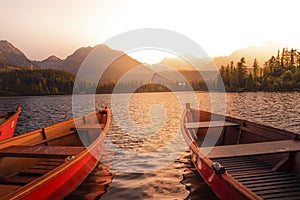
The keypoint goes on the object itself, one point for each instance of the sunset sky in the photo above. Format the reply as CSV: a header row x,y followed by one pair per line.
x,y
42,28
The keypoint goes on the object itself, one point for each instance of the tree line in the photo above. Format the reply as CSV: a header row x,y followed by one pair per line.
x,y
280,72
37,82
26,82
148,86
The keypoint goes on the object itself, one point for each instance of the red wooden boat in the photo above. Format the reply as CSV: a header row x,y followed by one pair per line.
x,y
8,122
51,162
248,161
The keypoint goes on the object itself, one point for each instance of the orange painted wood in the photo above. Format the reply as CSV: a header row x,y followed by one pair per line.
x,y
40,151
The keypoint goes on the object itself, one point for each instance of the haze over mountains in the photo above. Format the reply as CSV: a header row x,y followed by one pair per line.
x,y
261,53
11,56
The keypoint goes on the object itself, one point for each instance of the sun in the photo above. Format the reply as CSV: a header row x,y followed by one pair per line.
x,y
150,56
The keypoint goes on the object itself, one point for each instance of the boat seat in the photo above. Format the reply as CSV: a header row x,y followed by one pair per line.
x,y
209,124
281,146
88,127
40,151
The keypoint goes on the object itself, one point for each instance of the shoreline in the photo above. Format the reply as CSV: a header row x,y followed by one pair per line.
x,y
214,91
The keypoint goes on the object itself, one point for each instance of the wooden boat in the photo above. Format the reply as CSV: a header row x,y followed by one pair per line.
x,y
248,161
51,162
8,123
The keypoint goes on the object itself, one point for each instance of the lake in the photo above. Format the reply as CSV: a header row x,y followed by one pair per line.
x,y
144,147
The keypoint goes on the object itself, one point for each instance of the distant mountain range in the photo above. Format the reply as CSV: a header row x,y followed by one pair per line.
x,y
10,56
51,62
73,62
70,64
261,53
13,57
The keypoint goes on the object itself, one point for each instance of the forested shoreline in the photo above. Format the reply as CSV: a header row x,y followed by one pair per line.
x,y
279,73
28,82
37,82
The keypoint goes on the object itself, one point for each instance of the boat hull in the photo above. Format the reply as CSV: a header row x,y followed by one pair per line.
x,y
7,128
70,160
217,184
67,181
246,160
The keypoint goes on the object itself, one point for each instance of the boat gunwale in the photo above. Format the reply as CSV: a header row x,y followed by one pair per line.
x,y
237,186
256,125
51,175
13,116
38,131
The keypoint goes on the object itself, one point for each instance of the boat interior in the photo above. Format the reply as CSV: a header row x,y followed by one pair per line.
x,y
265,160
4,116
31,156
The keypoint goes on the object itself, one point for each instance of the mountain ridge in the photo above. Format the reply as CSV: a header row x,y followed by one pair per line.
x,y
12,56
71,63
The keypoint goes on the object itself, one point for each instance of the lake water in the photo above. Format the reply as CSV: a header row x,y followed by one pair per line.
x,y
144,148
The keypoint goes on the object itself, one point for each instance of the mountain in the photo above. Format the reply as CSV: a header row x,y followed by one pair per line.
x,y
50,62
120,66
72,63
11,56
123,64
261,53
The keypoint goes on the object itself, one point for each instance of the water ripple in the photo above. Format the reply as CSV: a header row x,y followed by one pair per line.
x,y
169,175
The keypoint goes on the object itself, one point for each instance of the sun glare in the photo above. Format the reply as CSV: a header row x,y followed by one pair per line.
x,y
150,56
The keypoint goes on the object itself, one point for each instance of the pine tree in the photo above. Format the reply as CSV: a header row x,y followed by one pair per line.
x,y
255,70
227,76
231,75
292,63
241,72
250,82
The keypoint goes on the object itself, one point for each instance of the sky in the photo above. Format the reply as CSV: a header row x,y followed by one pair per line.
x,y
59,27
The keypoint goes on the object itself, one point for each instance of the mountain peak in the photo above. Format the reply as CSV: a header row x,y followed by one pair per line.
x,y
52,58
84,49
8,47
50,62
5,42
11,56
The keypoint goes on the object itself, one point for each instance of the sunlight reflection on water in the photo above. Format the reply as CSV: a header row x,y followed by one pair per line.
x,y
160,114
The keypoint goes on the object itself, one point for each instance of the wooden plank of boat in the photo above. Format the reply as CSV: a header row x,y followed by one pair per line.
x,y
250,161
40,151
89,126
273,147
209,124
49,163
8,123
